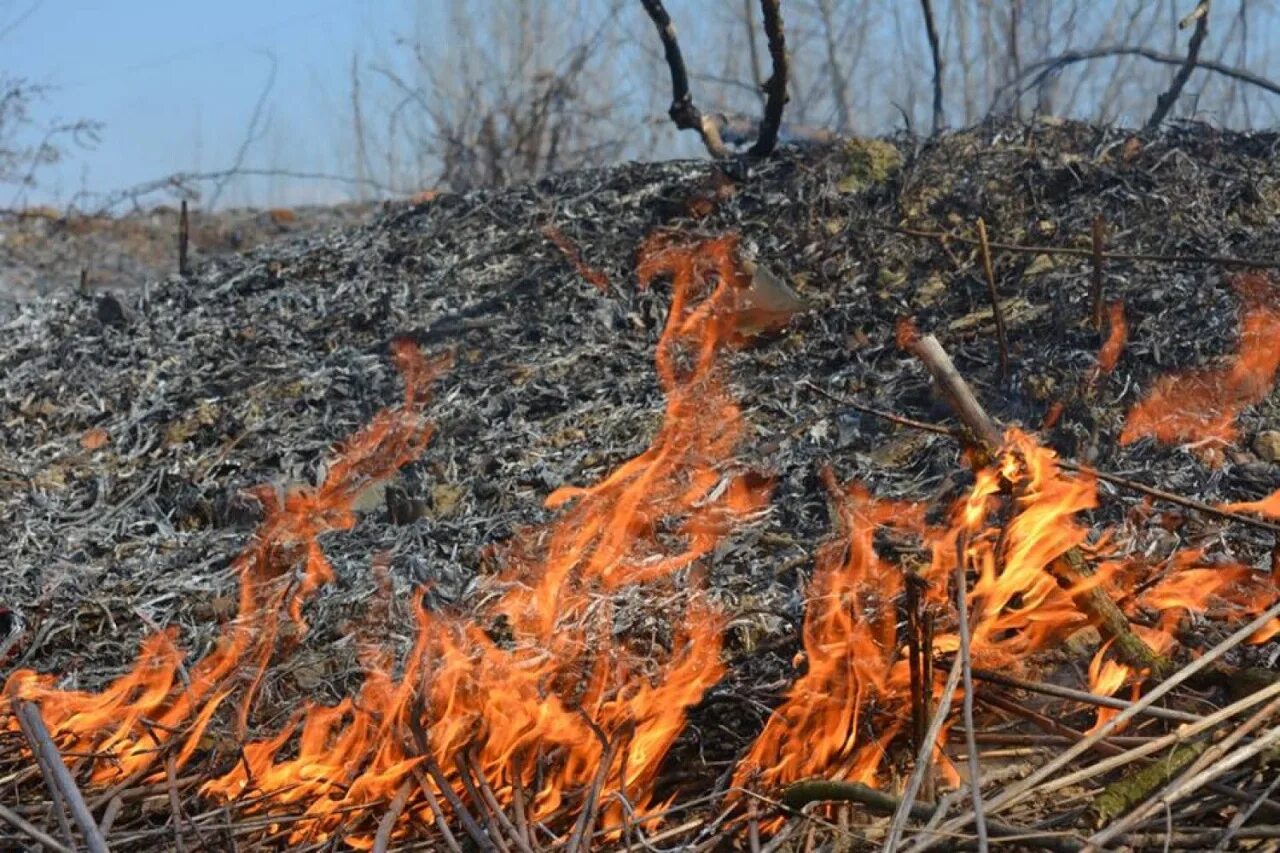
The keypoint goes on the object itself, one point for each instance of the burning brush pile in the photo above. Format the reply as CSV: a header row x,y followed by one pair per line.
x,y
665,507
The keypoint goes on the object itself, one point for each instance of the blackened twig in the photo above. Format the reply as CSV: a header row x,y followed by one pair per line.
x,y
931,29
924,761
1165,102
776,86
683,112
988,270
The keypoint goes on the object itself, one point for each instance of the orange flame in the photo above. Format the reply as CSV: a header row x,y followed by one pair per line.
x,y
839,716
1117,336
1202,405
149,707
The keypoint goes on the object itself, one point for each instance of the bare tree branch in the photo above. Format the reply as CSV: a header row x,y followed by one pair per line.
x,y
1165,102
776,85
931,28
682,111
1045,68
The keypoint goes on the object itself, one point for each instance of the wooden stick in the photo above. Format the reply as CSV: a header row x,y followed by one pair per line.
x,y
966,670
988,270
387,825
59,776
1093,601
1095,286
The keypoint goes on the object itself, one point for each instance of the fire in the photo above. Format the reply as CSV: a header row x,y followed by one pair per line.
x,y
1021,516
150,707
1117,336
539,695
1202,405
560,711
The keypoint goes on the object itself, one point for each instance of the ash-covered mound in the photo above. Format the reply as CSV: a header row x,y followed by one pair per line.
x,y
131,429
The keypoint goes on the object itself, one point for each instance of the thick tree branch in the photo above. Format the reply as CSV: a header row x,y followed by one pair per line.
x,y
776,86
683,112
1165,102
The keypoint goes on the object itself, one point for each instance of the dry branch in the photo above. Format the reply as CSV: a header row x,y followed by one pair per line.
x,y
683,112
776,86
1165,102
1039,780
686,115
931,29
59,778
1130,648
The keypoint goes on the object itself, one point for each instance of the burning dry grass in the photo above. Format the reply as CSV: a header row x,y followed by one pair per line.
x,y
541,713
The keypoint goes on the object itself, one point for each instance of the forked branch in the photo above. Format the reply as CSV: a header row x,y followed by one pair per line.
x,y
683,112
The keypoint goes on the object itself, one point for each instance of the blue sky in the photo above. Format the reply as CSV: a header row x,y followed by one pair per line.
x,y
174,82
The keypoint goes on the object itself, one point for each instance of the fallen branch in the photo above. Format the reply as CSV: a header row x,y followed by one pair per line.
x,y
1165,102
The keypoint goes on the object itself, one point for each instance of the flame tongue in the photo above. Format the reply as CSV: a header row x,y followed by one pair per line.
x,y
1202,405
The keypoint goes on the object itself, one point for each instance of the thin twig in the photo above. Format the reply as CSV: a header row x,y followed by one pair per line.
x,y
924,760
1243,816
1060,692
1165,102
988,270
20,823
966,669
1095,285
